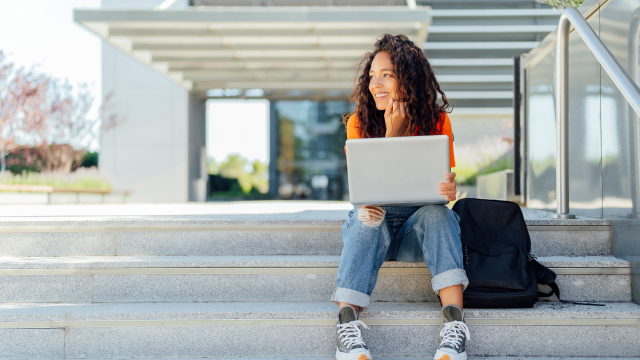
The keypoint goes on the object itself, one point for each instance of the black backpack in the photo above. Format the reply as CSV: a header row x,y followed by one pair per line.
x,y
496,251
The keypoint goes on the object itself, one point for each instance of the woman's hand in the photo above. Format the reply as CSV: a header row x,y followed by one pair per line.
x,y
394,118
449,187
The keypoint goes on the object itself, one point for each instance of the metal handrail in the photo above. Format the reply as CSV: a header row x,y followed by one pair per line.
x,y
621,79
634,122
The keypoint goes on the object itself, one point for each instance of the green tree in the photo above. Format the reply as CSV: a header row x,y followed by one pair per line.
x,y
234,167
260,177
562,4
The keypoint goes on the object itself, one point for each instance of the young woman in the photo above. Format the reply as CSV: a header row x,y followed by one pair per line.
x,y
396,95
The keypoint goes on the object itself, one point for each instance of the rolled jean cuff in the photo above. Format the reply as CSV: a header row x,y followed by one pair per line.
x,y
343,295
449,278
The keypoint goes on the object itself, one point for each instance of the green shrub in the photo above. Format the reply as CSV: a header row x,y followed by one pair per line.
x,y
81,179
562,4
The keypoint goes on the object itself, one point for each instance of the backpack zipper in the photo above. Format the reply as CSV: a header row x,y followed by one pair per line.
x,y
466,255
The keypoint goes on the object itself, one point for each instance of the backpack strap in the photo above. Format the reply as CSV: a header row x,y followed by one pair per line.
x,y
546,276
556,290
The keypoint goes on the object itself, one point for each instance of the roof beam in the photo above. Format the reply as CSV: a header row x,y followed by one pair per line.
x,y
250,14
479,45
282,64
495,13
258,39
194,35
261,54
321,75
495,29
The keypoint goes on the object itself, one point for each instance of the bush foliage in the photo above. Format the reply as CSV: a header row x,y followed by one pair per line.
x,y
236,177
81,179
562,4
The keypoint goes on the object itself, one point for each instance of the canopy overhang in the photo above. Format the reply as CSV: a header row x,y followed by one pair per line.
x,y
281,50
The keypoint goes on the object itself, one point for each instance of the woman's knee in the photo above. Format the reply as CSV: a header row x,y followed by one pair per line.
x,y
371,216
433,212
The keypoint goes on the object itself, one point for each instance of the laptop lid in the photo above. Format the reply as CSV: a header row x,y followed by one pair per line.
x,y
397,171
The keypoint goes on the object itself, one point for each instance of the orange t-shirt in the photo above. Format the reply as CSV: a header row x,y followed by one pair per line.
x,y
352,133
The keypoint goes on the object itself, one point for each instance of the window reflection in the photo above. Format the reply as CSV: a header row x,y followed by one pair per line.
x,y
311,161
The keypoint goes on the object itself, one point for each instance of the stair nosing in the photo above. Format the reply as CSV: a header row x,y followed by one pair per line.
x,y
301,313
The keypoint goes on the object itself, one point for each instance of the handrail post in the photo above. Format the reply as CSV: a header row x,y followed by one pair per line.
x,y
562,119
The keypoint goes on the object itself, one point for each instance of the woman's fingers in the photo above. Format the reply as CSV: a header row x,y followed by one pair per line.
x,y
388,110
447,186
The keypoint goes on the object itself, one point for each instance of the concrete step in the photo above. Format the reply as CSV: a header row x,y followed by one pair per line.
x,y
308,232
281,330
332,357
120,279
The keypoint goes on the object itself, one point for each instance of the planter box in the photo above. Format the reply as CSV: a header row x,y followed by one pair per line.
x,y
30,198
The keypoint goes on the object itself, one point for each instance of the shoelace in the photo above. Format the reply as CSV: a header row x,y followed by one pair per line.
x,y
453,333
349,333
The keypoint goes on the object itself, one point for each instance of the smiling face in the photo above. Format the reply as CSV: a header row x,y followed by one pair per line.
x,y
382,80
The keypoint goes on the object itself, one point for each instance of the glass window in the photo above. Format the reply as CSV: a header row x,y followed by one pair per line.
x,y
311,161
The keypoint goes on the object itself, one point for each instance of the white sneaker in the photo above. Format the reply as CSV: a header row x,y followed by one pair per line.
x,y
454,335
351,346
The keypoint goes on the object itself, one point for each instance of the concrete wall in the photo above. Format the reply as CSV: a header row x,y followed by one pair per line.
x,y
603,131
147,153
156,151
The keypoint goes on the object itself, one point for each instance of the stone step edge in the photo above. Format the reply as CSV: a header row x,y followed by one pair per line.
x,y
268,271
316,322
400,357
306,357
531,226
296,313
256,261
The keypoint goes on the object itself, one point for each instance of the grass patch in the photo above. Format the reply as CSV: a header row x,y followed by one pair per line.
x,y
81,179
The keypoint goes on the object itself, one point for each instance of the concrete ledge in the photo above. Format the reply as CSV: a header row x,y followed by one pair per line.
x,y
83,238
303,264
404,312
259,278
276,330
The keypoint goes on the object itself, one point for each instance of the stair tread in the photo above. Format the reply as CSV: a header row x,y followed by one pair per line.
x,y
22,312
225,214
385,358
293,261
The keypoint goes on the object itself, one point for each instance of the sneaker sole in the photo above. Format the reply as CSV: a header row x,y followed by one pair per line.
x,y
461,356
356,356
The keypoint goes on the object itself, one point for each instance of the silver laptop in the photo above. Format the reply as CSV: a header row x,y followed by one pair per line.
x,y
398,171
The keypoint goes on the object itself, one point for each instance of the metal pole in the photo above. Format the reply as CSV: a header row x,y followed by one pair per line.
x,y
516,125
562,119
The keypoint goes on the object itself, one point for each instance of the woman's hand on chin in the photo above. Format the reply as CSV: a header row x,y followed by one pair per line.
x,y
449,187
394,118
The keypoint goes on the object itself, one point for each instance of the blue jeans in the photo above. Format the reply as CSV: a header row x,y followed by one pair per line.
x,y
409,234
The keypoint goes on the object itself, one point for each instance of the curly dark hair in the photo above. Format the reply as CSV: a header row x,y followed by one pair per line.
x,y
417,87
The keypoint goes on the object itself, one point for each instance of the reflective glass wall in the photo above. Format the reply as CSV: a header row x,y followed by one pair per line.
x,y
604,132
309,141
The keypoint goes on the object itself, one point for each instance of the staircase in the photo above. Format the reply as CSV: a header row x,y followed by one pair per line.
x,y
258,286
471,44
